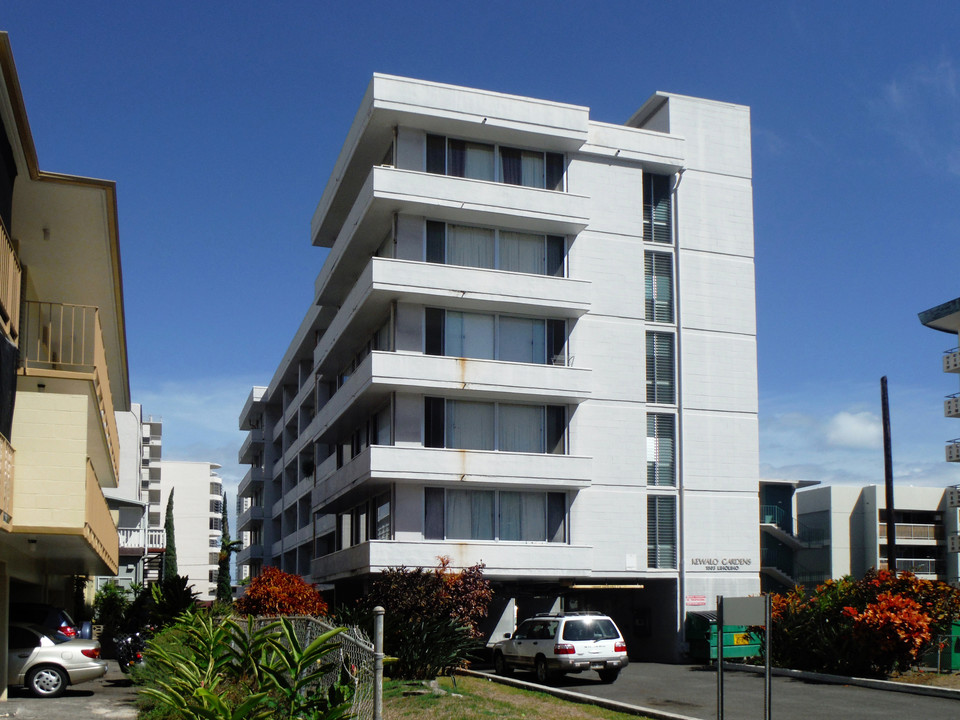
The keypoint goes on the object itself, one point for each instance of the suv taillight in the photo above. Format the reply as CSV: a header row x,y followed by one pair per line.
x,y
620,646
91,653
68,630
564,649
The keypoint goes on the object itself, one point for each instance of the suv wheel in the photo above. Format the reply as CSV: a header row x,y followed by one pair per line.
x,y
500,665
544,674
609,675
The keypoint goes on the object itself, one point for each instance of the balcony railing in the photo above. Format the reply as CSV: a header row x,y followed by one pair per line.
x,y
908,531
10,272
67,340
918,566
7,456
776,515
142,538
98,526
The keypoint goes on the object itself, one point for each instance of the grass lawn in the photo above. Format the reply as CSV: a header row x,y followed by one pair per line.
x,y
475,698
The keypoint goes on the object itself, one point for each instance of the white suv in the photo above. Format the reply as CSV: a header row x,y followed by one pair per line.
x,y
569,642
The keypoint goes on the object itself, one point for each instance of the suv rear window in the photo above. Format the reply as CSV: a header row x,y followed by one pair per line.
x,y
590,629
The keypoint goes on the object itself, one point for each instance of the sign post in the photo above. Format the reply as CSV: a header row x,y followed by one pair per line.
x,y
744,611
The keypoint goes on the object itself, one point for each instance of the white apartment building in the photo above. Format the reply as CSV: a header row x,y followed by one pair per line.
x,y
197,515
135,502
532,345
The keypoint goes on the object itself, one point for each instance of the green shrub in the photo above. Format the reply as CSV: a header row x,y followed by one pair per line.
x,y
229,670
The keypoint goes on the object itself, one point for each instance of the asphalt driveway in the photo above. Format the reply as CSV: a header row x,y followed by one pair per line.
x,y
691,691
111,697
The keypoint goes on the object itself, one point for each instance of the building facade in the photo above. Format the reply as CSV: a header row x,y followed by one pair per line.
x,y
135,502
532,345
854,522
63,369
197,515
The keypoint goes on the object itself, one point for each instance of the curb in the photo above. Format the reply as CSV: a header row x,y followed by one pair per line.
x,y
579,697
887,685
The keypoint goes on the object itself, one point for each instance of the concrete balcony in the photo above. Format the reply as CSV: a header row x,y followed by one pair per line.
x,y
384,280
252,480
250,416
252,552
62,350
10,274
951,361
951,406
64,519
953,450
382,373
378,466
388,190
252,444
248,517
504,560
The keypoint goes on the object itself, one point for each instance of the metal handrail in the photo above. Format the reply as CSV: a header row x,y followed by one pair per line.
x,y
802,532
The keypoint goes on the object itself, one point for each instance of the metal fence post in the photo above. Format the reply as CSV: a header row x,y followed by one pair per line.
x,y
378,663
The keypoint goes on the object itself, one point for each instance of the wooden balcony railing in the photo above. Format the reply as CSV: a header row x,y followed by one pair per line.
x,y
144,539
67,340
10,272
6,483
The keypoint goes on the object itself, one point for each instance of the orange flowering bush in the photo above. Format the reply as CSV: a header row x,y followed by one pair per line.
x,y
866,627
275,592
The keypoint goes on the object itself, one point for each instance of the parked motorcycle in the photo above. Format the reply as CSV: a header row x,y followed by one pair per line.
x,y
130,651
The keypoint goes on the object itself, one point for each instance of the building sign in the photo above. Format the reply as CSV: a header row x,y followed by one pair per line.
x,y
721,564
695,600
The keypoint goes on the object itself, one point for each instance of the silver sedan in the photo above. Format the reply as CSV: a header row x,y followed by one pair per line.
x,y
46,663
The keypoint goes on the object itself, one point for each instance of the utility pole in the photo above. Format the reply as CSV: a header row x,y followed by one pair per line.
x,y
888,479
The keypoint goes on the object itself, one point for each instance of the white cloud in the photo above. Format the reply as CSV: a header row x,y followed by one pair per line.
x,y
860,430
920,108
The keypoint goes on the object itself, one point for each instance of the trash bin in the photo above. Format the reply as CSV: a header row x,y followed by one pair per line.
x,y
701,634
944,652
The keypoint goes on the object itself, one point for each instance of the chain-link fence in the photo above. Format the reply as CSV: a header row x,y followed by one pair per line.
x,y
353,661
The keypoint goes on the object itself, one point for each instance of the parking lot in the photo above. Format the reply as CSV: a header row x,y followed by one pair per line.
x,y
111,697
691,691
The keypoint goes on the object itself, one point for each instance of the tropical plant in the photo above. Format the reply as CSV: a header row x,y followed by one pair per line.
x,y
275,592
110,606
227,548
869,626
433,616
171,597
170,550
228,670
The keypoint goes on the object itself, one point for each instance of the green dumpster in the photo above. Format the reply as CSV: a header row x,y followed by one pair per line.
x,y
944,652
701,634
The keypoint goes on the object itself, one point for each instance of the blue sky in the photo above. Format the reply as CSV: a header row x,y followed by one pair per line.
x,y
220,123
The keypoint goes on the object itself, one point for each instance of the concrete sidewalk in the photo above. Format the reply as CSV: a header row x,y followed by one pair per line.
x,y
112,697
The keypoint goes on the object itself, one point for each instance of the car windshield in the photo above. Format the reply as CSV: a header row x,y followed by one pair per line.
x,y
590,629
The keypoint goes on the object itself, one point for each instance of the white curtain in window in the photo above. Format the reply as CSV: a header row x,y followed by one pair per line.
x,y
522,340
468,335
523,516
479,162
469,425
521,428
469,514
470,246
532,169
521,252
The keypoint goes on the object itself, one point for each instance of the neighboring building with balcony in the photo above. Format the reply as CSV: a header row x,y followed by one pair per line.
x,y
513,293
946,318
135,501
784,539
197,515
853,520
63,368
